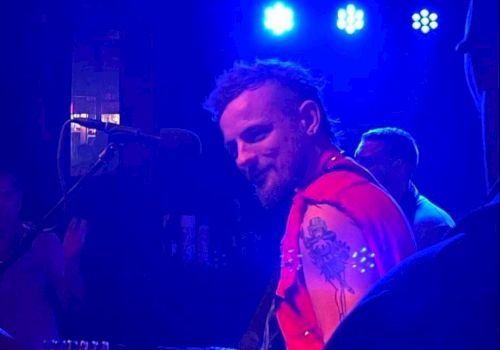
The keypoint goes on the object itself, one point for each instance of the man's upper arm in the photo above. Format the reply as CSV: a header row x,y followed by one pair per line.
x,y
338,265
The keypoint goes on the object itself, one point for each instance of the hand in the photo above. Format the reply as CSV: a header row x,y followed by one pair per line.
x,y
74,239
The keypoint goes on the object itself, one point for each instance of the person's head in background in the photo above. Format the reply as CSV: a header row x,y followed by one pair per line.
x,y
274,124
480,49
391,155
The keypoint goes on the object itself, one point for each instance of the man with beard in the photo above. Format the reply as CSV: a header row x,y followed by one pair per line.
x,y
343,231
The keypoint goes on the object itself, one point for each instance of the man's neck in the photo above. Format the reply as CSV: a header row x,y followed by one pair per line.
x,y
400,190
317,161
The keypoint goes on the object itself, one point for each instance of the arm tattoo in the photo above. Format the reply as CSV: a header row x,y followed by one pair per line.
x,y
330,256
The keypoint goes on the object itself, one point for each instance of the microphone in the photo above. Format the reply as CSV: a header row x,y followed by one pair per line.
x,y
169,138
121,132
180,139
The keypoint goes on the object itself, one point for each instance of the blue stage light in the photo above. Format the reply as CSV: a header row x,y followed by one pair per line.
x,y
279,18
350,19
424,21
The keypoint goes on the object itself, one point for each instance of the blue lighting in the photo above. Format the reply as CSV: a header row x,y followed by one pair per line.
x,y
350,19
278,18
424,21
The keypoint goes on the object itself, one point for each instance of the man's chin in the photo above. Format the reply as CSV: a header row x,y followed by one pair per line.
x,y
270,199
269,203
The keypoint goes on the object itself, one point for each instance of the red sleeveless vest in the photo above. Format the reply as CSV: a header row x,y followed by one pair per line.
x,y
385,229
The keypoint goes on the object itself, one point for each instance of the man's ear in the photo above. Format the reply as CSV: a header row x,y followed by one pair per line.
x,y
403,166
398,163
310,117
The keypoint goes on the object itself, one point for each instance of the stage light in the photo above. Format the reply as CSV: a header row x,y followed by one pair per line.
x,y
424,21
350,19
278,18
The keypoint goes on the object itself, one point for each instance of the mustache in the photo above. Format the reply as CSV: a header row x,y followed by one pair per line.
x,y
256,175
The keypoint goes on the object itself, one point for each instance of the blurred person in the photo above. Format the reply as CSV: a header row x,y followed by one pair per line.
x,y
42,280
480,49
392,156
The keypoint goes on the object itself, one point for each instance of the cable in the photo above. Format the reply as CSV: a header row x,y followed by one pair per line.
x,y
60,169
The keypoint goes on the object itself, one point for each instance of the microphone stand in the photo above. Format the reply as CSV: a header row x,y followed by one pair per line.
x,y
104,158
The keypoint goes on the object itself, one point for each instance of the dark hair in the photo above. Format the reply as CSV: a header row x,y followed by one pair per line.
x,y
243,76
399,143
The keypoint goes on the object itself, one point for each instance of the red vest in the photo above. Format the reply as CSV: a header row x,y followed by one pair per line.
x,y
385,230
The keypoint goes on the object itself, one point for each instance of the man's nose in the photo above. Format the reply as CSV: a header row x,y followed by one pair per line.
x,y
246,156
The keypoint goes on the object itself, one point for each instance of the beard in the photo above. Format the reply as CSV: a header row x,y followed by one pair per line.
x,y
272,196
283,179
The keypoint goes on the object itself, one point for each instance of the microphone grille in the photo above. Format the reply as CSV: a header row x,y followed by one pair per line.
x,y
180,139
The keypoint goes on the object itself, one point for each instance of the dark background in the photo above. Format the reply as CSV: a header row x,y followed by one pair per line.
x,y
169,56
